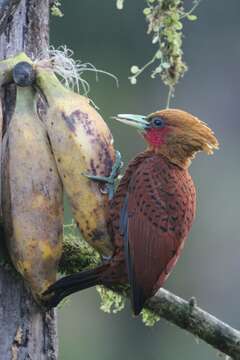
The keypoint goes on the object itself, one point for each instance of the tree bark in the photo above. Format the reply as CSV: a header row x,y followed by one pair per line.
x,y
25,332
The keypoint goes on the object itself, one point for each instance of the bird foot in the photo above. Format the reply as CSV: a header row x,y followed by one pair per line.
x,y
106,259
109,181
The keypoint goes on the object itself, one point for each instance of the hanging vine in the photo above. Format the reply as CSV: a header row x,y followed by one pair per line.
x,y
165,24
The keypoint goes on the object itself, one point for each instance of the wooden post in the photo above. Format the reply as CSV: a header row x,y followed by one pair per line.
x,y
25,331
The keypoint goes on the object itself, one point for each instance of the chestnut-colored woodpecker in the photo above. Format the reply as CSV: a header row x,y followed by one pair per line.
x,y
152,210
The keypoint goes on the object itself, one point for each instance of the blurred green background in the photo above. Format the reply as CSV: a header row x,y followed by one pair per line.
x,y
209,268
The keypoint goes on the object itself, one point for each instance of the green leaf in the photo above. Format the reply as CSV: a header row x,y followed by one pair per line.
x,y
147,11
155,39
178,25
134,69
158,69
192,17
120,4
158,54
166,65
133,80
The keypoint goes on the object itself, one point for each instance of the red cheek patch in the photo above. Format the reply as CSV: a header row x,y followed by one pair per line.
x,y
156,137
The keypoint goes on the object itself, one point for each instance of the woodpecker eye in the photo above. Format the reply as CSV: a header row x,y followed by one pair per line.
x,y
158,122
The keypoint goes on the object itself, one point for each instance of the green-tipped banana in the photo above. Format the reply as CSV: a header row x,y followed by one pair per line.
x,y
82,144
32,197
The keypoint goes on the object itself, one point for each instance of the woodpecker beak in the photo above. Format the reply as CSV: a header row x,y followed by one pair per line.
x,y
138,121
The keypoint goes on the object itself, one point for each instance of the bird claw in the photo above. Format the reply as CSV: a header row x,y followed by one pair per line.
x,y
109,181
106,259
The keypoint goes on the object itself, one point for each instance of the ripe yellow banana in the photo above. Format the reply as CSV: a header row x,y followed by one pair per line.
x,y
32,197
81,143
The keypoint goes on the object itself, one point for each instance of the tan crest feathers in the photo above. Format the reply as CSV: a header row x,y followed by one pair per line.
x,y
188,136
190,125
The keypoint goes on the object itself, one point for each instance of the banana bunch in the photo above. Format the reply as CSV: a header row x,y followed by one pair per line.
x,y
41,151
82,144
31,196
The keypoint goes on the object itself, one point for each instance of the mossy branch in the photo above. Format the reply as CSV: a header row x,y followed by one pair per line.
x,y
185,314
200,323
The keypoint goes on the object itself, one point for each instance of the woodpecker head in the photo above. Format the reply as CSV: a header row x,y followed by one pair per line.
x,y
173,133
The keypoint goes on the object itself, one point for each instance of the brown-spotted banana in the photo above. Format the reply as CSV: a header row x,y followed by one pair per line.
x,y
32,197
82,144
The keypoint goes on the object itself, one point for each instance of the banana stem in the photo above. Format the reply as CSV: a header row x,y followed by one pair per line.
x,y
49,84
6,67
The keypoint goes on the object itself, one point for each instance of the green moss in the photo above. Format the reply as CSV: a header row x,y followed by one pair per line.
x,y
111,302
77,254
149,318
